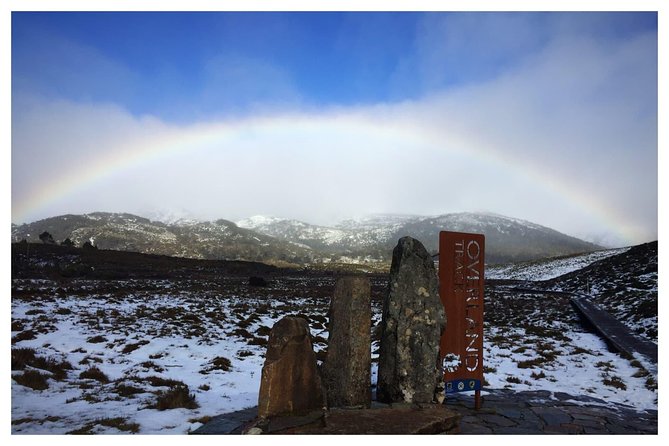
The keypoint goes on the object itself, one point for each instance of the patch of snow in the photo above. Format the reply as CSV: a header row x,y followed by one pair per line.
x,y
549,268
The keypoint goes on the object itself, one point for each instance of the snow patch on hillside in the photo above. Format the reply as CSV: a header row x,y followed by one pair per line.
x,y
549,268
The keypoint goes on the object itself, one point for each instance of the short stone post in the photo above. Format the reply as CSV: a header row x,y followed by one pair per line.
x,y
411,328
346,370
290,383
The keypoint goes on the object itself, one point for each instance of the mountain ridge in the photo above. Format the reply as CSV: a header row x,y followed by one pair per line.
x,y
278,240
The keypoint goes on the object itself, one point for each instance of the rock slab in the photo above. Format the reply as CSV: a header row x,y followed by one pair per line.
x,y
430,419
290,383
411,328
347,367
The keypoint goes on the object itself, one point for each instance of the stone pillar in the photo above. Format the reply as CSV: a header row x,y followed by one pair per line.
x,y
346,370
413,320
290,383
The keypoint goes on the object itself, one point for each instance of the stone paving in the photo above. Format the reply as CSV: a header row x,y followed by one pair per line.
x,y
544,412
508,412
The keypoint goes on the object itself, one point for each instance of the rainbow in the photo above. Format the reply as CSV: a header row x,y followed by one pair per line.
x,y
190,138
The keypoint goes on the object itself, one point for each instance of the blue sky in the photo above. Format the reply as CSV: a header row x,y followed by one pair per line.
x,y
557,112
176,64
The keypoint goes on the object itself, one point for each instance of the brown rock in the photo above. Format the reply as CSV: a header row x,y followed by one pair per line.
x,y
290,384
346,370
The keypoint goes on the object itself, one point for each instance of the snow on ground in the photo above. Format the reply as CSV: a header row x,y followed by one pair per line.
x,y
133,339
151,337
583,366
549,268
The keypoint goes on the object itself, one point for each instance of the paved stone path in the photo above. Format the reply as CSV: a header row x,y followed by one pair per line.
x,y
508,412
544,412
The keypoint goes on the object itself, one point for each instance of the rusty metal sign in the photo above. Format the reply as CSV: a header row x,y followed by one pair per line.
x,y
461,270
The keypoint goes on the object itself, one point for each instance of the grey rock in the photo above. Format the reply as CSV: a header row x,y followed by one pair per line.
x,y
347,367
411,328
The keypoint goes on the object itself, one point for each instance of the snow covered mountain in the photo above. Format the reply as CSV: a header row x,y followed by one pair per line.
x,y
507,239
276,240
220,239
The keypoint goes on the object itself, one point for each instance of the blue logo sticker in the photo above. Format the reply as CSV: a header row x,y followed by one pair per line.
x,y
462,385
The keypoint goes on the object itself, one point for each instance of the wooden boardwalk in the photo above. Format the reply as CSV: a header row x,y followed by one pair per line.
x,y
615,332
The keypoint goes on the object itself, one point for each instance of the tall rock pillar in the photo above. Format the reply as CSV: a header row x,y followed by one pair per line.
x,y
346,370
411,328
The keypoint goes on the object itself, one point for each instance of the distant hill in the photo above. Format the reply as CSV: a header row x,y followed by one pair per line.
x,y
220,239
507,239
624,284
283,241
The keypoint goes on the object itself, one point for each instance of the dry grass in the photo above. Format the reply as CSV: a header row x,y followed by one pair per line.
x,y
615,381
218,363
25,335
539,375
96,339
126,390
118,423
159,381
33,379
129,348
204,420
95,374
23,357
606,366
580,350
531,363
174,398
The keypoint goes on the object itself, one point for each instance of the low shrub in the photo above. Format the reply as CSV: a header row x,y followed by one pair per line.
x,y
126,390
531,363
244,353
158,381
257,341
96,339
118,423
204,420
17,325
22,357
33,379
607,366
221,363
95,374
539,375
615,382
152,365
129,348
25,335
176,397
641,373
581,350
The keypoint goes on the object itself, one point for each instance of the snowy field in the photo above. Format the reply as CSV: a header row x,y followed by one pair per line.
x,y
161,357
549,268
